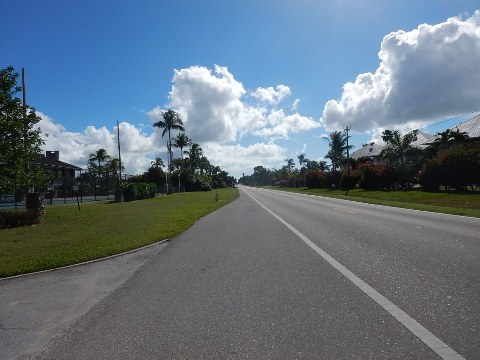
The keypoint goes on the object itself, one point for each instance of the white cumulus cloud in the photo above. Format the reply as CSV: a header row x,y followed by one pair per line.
x,y
139,149
215,107
217,112
75,147
238,159
295,104
272,95
425,74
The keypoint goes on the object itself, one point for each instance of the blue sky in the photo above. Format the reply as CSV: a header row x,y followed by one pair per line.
x,y
255,81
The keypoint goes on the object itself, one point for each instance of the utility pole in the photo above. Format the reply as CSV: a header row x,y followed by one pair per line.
x,y
24,93
119,162
347,129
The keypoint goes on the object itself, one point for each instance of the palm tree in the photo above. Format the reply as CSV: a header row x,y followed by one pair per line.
x,y
100,155
171,121
157,163
338,147
113,167
448,138
302,159
398,146
181,141
203,164
194,154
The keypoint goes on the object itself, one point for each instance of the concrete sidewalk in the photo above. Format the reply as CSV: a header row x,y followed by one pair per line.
x,y
37,307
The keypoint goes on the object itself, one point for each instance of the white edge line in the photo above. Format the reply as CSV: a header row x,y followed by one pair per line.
x,y
434,343
366,203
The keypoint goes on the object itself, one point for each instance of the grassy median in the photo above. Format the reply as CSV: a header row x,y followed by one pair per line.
x,y
447,202
67,236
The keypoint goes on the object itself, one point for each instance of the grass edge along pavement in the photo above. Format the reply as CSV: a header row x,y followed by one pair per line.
x,y
453,203
67,236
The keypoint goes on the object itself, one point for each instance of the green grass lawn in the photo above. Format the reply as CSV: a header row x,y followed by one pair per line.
x,y
67,236
447,202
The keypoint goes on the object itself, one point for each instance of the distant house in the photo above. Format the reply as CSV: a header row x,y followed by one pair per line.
x,y
471,127
372,150
63,173
423,140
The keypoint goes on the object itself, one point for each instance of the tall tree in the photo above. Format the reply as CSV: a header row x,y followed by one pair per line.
x,y
20,141
204,164
398,146
302,159
290,165
171,121
113,167
447,139
337,141
157,163
317,165
303,162
100,156
194,154
181,142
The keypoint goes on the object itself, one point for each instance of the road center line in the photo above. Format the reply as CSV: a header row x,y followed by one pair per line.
x,y
433,342
344,210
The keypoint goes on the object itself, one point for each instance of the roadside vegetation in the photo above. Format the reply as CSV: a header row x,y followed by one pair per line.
x,y
67,236
441,176
26,176
447,202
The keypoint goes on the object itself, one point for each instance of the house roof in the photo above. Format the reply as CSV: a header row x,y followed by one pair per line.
x,y
470,126
423,140
372,149
54,163
368,150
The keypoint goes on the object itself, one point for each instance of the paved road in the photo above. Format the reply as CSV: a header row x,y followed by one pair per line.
x,y
37,307
283,276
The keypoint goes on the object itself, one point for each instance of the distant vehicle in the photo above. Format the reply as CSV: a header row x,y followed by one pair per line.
x,y
234,186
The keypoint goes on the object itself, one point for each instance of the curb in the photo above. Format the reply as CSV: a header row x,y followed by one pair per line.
x,y
85,262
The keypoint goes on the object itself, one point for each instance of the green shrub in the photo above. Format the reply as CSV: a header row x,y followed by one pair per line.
x,y
373,177
404,176
457,168
368,176
317,179
138,191
196,182
18,218
460,166
293,181
429,176
349,181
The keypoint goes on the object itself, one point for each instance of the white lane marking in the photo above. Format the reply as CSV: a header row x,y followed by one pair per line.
x,y
344,210
433,342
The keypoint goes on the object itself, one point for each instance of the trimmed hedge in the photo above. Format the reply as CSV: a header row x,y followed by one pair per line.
x,y
457,168
138,191
376,177
18,218
349,181
429,176
318,179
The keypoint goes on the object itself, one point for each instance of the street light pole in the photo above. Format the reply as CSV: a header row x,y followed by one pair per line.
x,y
347,129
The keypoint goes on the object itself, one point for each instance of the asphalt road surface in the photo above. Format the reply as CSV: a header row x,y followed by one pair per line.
x,y
282,276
